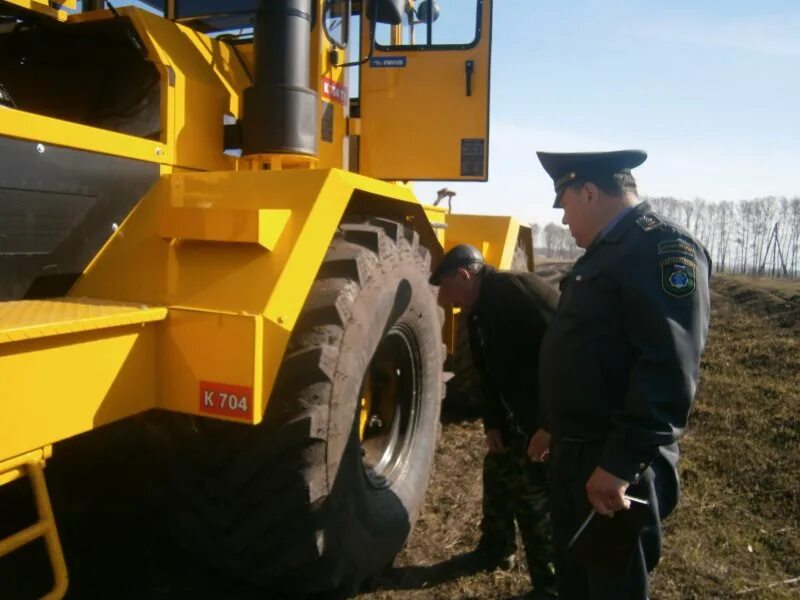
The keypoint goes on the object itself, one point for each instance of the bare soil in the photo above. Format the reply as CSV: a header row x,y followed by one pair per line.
x,y
736,532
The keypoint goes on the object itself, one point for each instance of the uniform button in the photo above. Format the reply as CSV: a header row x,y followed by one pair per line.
x,y
578,277
642,466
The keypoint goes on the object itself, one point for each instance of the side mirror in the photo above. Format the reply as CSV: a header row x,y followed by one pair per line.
x,y
387,11
425,7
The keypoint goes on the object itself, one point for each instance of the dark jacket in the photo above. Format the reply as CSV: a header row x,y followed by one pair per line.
x,y
505,331
619,363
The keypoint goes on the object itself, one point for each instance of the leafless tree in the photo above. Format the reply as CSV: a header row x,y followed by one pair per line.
x,y
791,212
535,231
559,243
760,236
551,233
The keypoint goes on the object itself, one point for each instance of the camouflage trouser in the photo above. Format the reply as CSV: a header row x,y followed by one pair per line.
x,y
514,488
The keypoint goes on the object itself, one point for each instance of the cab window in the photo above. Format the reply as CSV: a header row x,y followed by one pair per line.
x,y
433,24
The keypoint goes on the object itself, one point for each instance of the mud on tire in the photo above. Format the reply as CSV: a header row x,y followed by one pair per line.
x,y
323,494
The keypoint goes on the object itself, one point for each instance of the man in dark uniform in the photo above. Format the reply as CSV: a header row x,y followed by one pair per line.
x,y
618,369
508,313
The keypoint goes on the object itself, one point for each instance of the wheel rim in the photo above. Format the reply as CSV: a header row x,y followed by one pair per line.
x,y
389,409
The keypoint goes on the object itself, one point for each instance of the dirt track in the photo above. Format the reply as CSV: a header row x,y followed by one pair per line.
x,y
738,525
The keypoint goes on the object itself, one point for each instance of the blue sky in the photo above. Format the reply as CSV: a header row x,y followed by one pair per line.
x,y
710,89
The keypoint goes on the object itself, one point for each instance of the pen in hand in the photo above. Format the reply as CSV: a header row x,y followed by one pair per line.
x,y
593,512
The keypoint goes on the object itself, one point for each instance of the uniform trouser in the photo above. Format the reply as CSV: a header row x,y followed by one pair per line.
x,y
572,465
514,488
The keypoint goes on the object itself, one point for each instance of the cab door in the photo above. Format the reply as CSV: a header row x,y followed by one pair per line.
x,y
424,93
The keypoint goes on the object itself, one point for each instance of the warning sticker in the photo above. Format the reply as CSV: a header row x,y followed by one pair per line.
x,y
227,400
333,91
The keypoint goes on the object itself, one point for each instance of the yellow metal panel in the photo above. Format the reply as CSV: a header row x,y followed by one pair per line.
x,y
38,4
220,349
138,265
414,117
43,7
257,295
193,97
331,84
276,337
353,126
46,130
56,387
260,226
437,216
29,319
229,64
495,237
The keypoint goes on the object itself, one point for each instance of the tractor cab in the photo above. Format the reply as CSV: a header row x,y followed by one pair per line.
x,y
392,89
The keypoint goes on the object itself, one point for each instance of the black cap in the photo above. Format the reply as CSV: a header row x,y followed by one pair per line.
x,y
459,256
566,167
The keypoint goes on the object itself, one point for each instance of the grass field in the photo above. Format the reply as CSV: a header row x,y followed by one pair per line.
x,y
736,532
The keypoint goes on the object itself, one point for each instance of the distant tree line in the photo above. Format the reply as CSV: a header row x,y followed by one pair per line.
x,y
555,240
759,237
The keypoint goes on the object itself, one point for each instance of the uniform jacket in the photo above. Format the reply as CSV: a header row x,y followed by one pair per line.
x,y
619,363
505,331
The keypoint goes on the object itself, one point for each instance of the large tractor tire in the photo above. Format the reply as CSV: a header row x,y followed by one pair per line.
x,y
324,493
464,393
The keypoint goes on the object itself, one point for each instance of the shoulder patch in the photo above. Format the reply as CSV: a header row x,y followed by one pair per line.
x,y
676,247
678,276
649,222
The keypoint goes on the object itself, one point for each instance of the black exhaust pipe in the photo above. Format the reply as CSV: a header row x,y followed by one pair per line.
x,y
280,110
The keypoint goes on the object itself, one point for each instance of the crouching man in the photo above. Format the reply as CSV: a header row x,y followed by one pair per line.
x,y
507,313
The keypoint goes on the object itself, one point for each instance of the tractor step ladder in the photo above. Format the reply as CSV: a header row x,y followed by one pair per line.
x,y
60,337
32,465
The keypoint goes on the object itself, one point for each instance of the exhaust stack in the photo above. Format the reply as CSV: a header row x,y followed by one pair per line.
x,y
280,109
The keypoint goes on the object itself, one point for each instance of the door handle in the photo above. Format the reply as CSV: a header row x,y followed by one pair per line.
x,y
469,67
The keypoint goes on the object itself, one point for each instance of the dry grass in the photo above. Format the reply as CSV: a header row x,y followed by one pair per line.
x,y
738,524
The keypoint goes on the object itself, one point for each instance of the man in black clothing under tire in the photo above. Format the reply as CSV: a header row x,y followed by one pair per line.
x,y
507,314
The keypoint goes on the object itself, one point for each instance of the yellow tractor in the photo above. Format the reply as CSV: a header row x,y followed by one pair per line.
x,y
206,218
